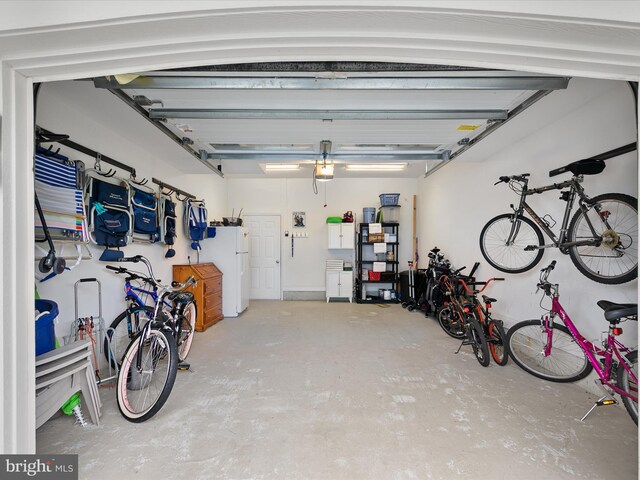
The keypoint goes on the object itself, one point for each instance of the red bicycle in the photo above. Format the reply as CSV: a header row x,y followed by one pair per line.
x,y
464,316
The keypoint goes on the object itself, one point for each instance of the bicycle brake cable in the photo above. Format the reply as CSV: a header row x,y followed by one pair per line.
x,y
515,187
548,310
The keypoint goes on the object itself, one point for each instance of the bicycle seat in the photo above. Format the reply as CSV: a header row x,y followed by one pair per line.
x,y
488,299
180,297
614,311
588,166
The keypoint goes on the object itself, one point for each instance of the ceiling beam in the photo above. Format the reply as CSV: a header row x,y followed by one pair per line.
x,y
226,114
195,82
275,157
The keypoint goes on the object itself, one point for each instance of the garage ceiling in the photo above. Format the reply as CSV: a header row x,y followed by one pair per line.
x,y
239,119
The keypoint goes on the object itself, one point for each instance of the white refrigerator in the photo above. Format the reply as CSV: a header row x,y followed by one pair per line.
x,y
229,250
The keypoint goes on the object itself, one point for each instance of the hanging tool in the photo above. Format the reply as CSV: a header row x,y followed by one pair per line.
x,y
292,245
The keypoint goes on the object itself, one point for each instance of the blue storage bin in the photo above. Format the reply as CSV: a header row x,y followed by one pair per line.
x,y
389,199
45,332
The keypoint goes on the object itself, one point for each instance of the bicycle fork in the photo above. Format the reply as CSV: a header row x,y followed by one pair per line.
x,y
143,338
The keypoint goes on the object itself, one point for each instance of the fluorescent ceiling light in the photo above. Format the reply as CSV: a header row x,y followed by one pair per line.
x,y
386,167
324,172
281,167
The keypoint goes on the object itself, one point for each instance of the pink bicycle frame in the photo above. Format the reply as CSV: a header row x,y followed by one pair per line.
x,y
590,350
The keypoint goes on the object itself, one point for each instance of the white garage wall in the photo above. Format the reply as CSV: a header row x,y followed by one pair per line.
x,y
306,270
77,110
456,202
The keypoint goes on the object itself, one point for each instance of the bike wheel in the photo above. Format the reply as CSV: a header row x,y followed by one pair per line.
x,y
511,258
124,329
475,334
188,329
497,340
450,322
142,392
566,362
614,217
626,383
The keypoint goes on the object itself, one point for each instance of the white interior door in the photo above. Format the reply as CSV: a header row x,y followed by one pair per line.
x,y
264,256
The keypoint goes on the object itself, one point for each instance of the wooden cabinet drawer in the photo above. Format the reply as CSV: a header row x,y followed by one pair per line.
x,y
211,293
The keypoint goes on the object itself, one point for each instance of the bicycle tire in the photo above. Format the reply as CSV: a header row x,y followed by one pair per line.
x,y
499,255
188,329
449,323
598,263
497,342
475,334
118,335
625,383
526,343
134,387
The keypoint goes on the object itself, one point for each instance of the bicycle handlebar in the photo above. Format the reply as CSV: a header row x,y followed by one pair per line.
x,y
178,287
544,275
174,287
139,258
486,284
133,275
518,178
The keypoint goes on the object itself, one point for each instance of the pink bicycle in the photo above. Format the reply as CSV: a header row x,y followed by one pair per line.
x,y
559,353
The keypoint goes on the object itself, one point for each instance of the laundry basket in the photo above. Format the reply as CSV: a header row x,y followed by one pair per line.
x,y
45,331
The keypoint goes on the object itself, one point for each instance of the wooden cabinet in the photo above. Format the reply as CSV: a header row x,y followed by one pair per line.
x,y
341,235
207,293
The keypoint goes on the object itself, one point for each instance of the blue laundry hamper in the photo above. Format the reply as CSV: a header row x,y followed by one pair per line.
x,y
45,332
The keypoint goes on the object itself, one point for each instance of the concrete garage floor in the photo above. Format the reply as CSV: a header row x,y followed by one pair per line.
x,y
308,390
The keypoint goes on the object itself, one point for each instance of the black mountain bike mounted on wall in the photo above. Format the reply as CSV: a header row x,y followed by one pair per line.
x,y
601,238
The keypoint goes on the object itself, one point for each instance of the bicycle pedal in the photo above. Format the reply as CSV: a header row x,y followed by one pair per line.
x,y
608,401
530,248
184,366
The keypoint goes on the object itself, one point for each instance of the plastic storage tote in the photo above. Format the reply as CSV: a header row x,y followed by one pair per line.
x,y
390,214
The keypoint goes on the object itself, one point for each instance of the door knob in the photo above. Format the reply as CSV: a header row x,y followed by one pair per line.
x,y
277,261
